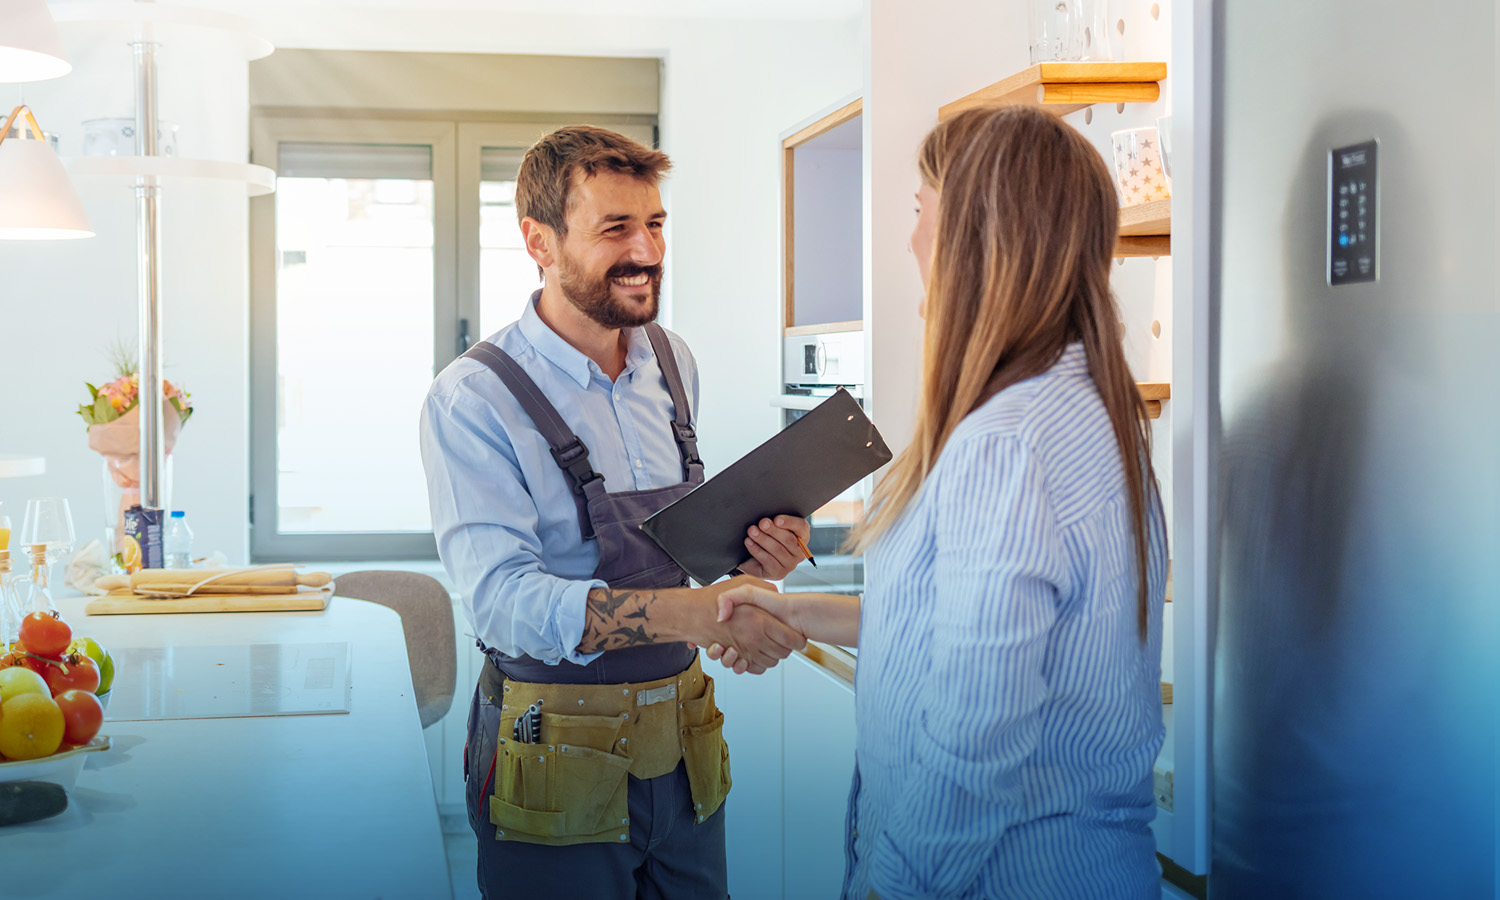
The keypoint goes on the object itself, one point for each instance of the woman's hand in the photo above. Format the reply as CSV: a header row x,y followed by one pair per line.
x,y
773,546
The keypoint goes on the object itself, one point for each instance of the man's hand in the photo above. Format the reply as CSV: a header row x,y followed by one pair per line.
x,y
773,547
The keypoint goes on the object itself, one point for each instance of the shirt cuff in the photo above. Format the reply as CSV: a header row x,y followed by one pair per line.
x,y
569,619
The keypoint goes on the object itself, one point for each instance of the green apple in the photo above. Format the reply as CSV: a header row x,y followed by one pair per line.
x,y
106,663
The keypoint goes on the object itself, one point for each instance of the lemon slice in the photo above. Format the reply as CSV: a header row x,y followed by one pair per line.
x,y
130,555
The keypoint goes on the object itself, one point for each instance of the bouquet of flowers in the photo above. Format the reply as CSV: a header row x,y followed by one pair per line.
x,y
119,397
114,424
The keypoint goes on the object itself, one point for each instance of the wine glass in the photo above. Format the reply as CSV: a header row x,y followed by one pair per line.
x,y
47,533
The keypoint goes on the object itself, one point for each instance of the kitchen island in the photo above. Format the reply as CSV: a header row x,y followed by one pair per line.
x,y
322,803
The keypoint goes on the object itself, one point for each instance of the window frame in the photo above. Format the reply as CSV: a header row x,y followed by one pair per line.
x,y
267,542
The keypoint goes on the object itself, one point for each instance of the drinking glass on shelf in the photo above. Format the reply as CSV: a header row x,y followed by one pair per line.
x,y
1062,30
1054,30
1091,25
47,534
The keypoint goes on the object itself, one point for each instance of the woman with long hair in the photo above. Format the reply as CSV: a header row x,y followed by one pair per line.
x,y
1007,694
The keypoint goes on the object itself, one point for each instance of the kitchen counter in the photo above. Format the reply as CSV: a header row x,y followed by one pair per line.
x,y
333,805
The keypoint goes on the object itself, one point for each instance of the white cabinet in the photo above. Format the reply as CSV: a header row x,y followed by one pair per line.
x,y
818,765
752,815
791,749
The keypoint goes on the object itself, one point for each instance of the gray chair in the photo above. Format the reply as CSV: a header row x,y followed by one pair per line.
x,y
426,613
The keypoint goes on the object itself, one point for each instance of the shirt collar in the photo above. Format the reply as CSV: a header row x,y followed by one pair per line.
x,y
570,359
1073,359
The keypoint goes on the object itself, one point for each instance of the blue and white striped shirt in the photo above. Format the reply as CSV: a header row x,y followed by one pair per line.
x,y
1008,713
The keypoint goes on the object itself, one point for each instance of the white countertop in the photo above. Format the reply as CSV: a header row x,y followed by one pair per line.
x,y
329,806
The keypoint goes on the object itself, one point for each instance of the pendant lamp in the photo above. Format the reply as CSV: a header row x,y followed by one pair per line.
x,y
37,201
30,49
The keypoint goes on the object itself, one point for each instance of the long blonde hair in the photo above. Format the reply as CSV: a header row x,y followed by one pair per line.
x,y
1027,221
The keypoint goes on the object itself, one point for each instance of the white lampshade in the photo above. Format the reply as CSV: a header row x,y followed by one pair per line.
x,y
30,49
37,201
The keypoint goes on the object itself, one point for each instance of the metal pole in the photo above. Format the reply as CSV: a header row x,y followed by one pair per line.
x,y
148,241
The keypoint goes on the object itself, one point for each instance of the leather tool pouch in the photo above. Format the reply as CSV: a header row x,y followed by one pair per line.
x,y
572,786
705,752
569,789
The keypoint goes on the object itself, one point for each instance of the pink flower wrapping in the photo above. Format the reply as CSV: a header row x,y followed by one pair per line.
x,y
119,442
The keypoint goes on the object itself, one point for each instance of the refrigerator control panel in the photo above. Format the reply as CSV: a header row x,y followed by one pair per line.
x,y
1353,214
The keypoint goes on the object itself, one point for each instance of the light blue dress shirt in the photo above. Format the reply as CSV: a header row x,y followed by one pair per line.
x,y
503,513
1009,714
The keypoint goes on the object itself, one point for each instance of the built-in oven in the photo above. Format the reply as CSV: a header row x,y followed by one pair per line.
x,y
813,367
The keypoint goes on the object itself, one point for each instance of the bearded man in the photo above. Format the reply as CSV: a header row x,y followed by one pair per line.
x,y
595,764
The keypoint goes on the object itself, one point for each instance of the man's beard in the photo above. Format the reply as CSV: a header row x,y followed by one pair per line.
x,y
592,296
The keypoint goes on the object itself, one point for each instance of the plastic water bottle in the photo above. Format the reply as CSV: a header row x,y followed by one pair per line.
x,y
177,544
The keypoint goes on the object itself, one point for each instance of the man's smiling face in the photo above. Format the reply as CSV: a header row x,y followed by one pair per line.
x,y
609,264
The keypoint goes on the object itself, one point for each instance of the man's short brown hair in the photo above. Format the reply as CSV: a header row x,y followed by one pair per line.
x,y
545,182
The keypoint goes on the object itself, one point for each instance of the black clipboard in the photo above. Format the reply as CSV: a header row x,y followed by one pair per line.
x,y
804,466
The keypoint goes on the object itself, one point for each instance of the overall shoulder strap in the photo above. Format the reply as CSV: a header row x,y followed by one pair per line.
x,y
682,428
567,450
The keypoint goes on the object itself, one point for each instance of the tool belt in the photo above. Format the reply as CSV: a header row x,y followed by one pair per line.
x,y
570,786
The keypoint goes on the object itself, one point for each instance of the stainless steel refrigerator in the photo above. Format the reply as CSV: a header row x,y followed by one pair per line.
x,y
1353,305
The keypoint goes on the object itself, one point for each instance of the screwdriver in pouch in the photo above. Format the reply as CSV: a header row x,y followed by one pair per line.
x,y
528,728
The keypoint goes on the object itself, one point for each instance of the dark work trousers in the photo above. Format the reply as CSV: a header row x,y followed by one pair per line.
x,y
670,855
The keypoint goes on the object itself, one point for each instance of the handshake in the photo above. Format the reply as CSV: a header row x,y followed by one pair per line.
x,y
756,627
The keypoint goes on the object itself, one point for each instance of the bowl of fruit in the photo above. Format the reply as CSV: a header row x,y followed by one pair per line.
x,y
50,714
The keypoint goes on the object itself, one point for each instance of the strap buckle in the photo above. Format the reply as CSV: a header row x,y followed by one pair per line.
x,y
574,459
687,439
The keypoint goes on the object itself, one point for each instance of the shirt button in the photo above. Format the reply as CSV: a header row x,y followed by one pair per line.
x,y
637,464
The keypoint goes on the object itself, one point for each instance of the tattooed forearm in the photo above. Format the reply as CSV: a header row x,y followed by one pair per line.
x,y
617,619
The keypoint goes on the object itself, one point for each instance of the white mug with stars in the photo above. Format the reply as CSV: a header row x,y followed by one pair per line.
x,y
1138,171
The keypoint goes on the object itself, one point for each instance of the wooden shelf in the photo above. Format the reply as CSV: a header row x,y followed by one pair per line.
x,y
825,328
1154,392
1065,87
1152,219
1145,230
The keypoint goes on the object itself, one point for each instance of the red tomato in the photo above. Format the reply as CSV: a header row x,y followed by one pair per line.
x,y
77,672
82,716
26,657
45,634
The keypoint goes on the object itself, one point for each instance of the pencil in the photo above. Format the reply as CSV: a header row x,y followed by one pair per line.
x,y
803,545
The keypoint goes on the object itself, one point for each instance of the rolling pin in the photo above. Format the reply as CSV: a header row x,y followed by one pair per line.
x,y
219,587
221,580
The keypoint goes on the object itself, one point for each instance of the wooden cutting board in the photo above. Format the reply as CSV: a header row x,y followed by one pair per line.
x,y
126,603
